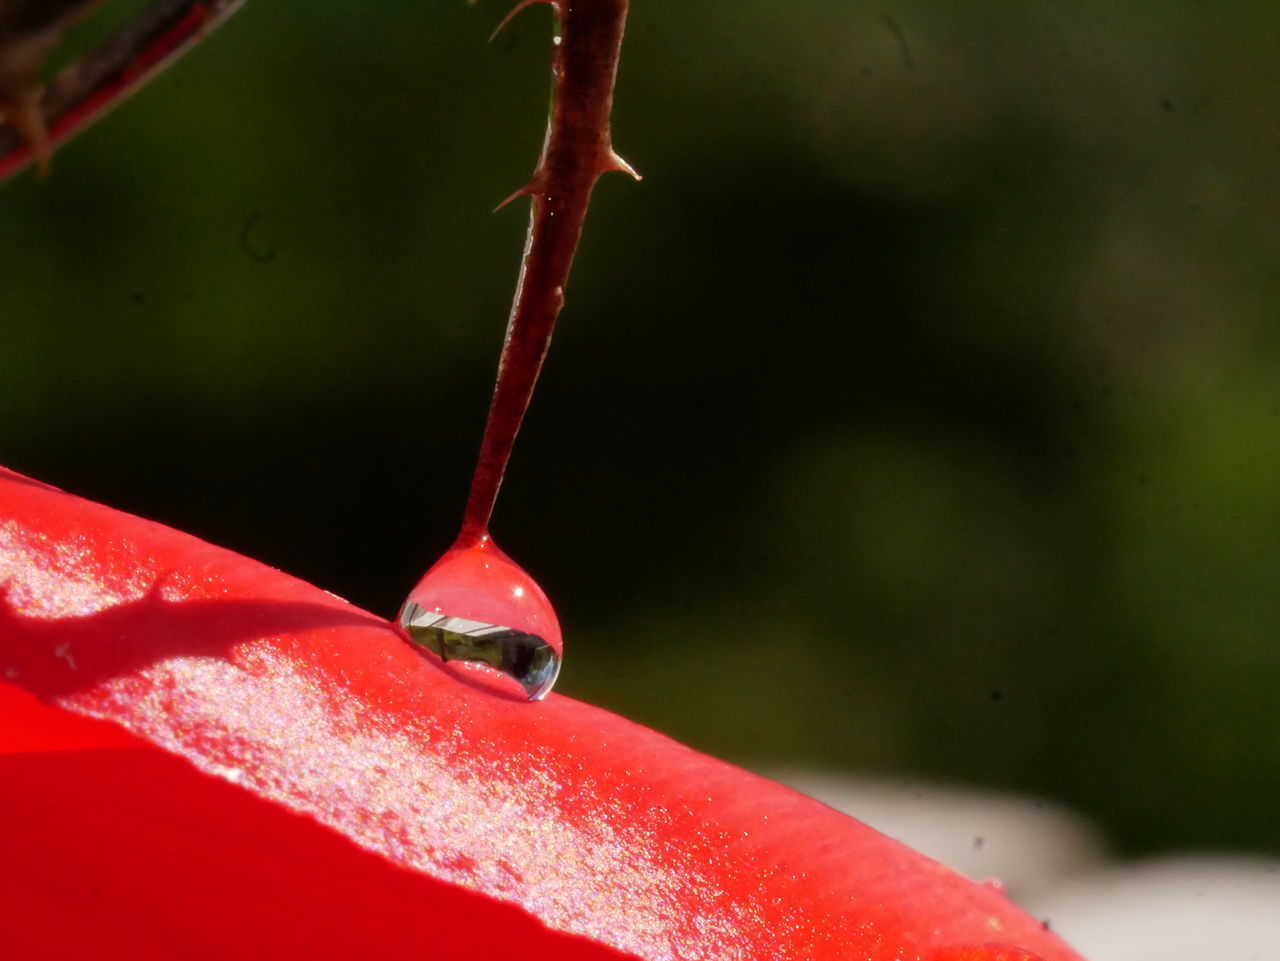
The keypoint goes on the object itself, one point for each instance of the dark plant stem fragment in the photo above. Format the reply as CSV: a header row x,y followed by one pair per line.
x,y
577,150
88,88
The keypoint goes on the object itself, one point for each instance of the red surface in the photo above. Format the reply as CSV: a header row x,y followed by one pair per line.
x,y
985,952
297,782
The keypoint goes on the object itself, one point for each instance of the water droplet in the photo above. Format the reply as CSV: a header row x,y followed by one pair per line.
x,y
476,607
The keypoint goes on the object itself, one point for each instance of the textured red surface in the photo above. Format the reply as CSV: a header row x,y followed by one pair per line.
x,y
201,757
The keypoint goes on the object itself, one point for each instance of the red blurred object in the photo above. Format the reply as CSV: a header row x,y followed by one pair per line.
x,y
985,952
202,757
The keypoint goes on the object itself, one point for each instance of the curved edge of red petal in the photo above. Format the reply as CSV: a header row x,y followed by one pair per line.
x,y
128,852
598,828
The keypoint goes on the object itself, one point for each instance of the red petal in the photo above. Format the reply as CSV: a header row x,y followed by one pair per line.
x,y
985,952
345,797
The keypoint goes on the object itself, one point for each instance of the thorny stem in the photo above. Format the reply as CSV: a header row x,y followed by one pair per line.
x,y
577,150
86,89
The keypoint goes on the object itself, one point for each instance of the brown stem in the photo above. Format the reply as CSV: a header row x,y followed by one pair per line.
x,y
577,150
86,89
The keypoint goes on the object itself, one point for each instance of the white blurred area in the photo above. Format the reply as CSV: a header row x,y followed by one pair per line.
x,y
1202,908
1055,864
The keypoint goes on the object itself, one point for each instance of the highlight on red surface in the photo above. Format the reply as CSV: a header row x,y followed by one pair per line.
x,y
203,757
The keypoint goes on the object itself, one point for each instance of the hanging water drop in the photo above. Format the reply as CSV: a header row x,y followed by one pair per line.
x,y
477,607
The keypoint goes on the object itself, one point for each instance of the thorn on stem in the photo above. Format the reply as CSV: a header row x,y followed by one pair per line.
x,y
526,189
515,10
21,108
614,162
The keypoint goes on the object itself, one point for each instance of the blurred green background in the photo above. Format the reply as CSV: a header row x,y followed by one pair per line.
x,y
918,414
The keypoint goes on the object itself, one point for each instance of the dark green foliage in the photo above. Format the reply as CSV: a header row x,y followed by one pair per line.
x,y
919,412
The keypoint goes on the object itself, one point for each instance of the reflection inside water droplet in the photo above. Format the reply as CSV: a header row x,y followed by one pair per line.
x,y
477,607
525,657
